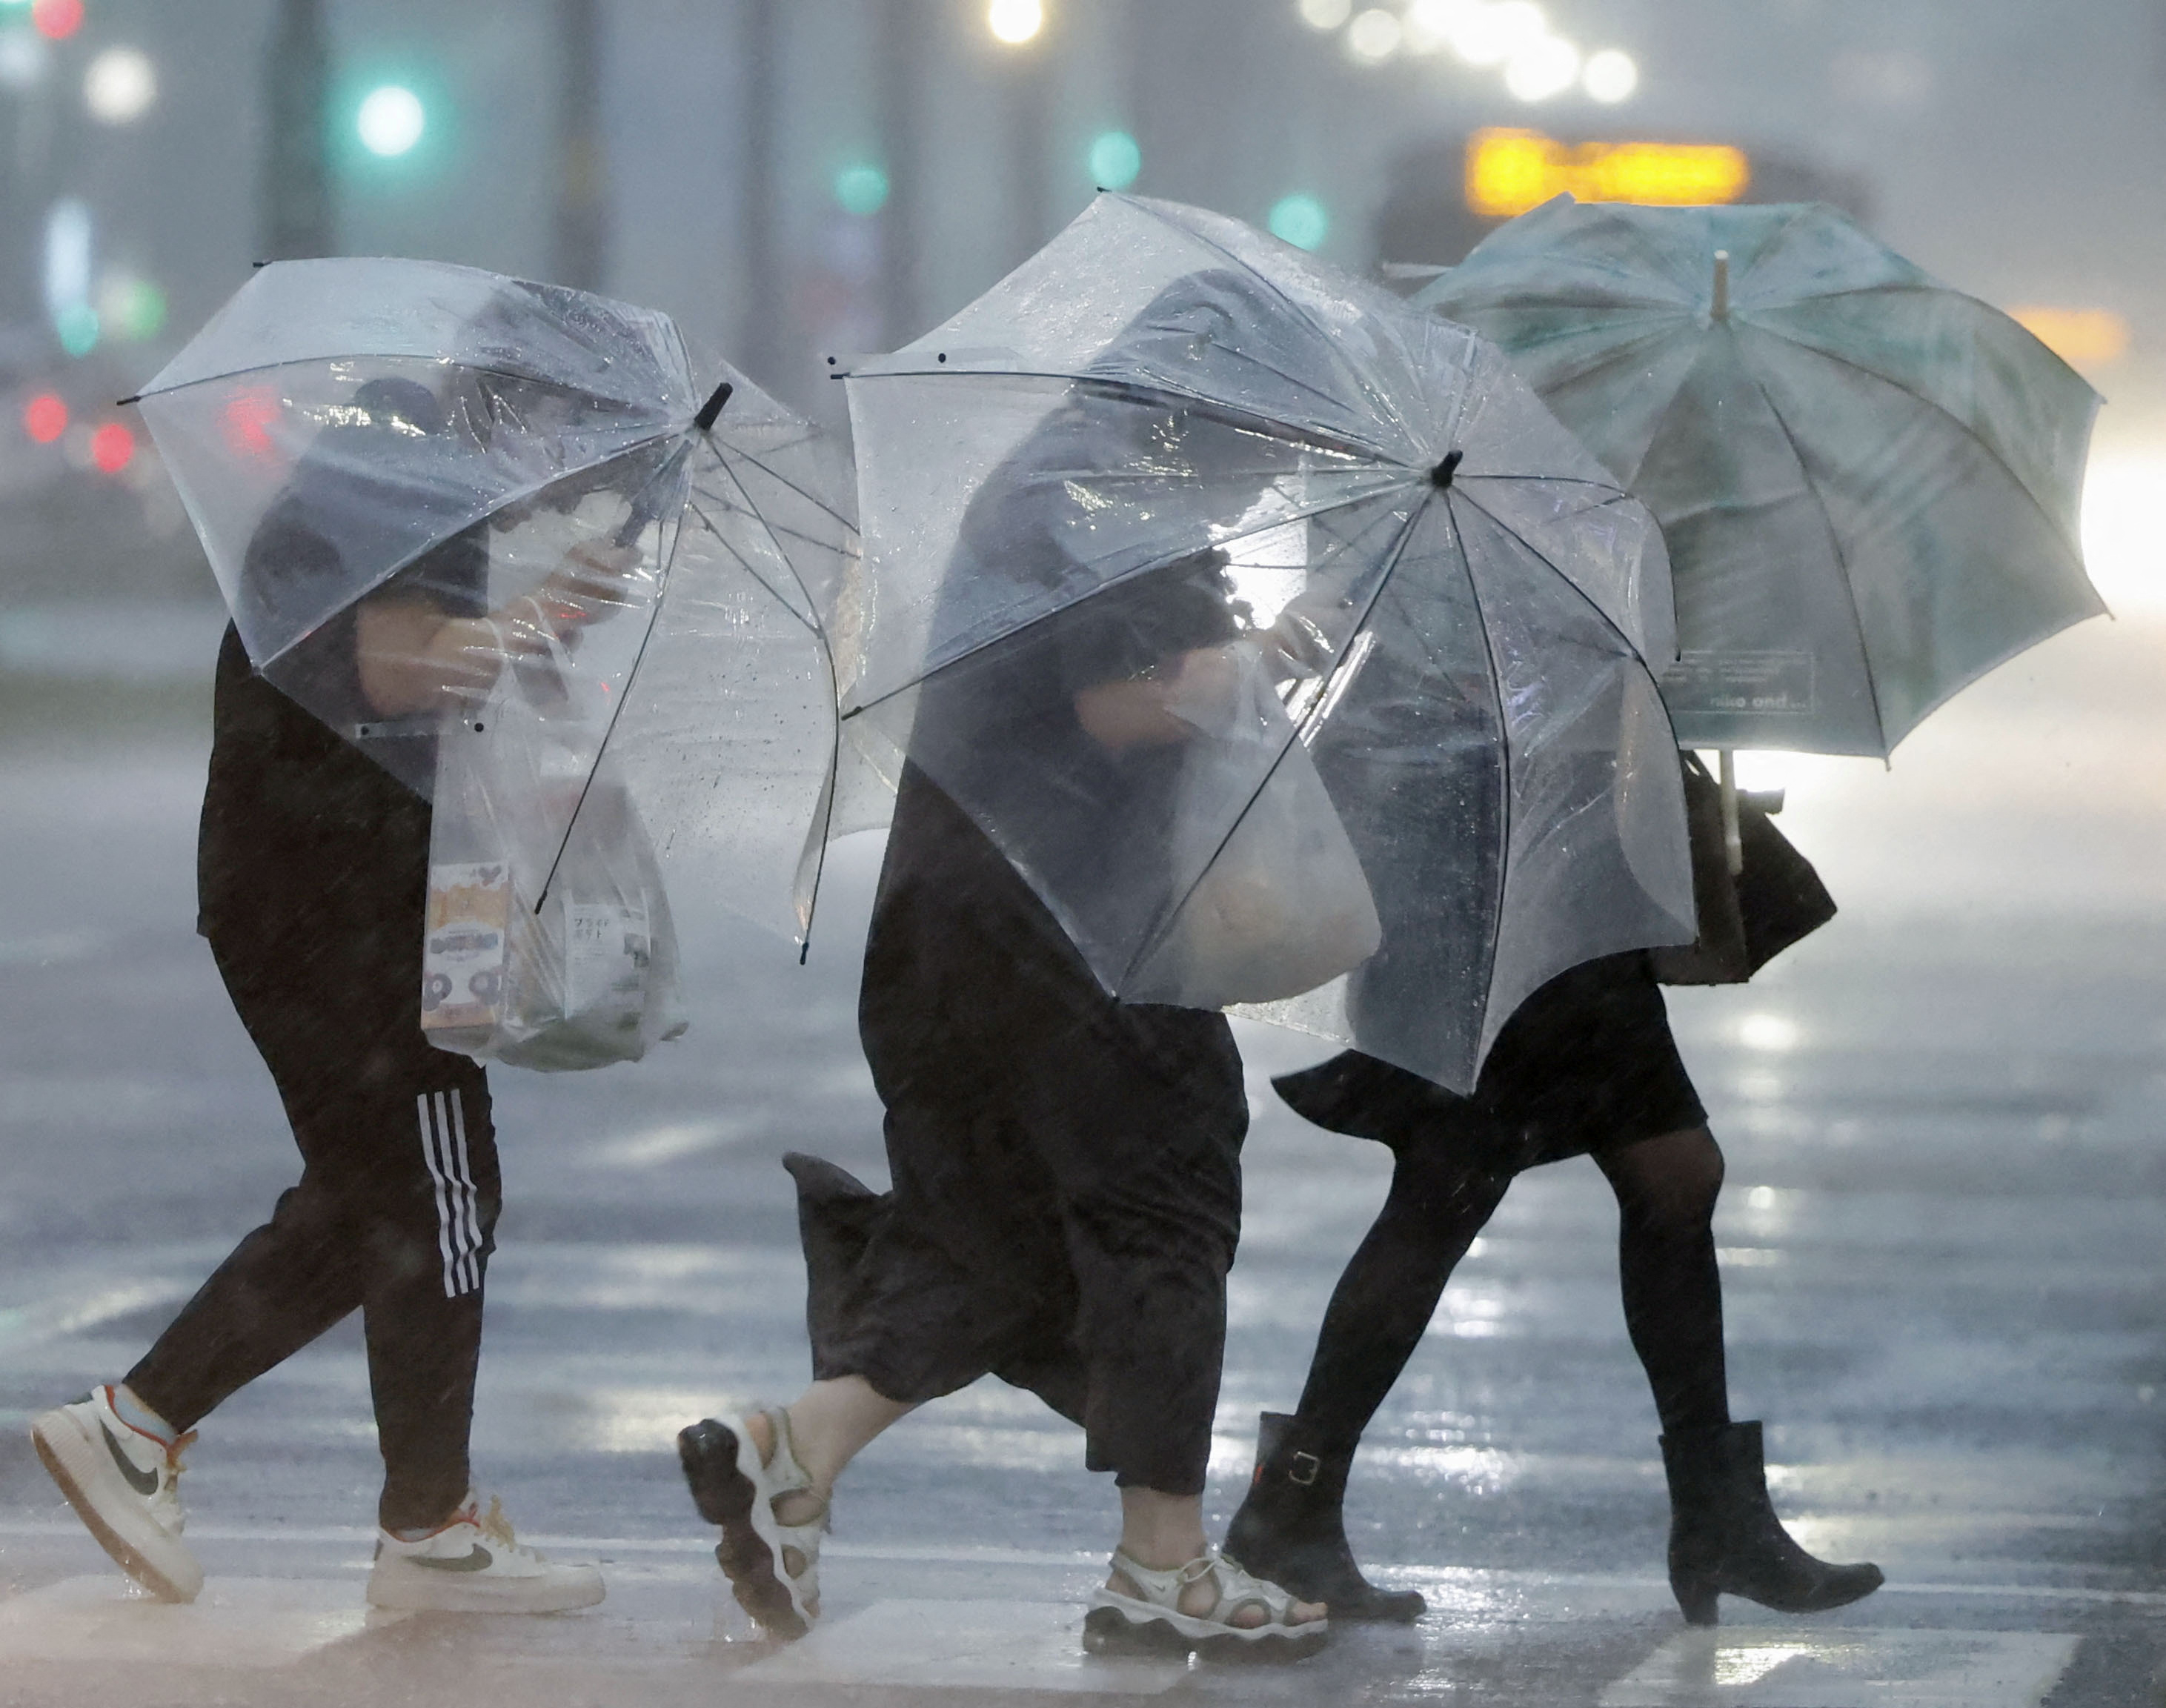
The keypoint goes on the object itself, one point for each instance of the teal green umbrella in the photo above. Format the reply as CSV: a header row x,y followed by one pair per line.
x,y
1868,481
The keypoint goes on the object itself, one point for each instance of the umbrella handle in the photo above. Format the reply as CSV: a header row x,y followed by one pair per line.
x,y
1733,843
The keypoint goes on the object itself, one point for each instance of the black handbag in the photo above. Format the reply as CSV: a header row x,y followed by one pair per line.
x,y
1748,920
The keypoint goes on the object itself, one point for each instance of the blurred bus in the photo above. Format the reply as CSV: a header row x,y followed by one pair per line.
x,y
1445,196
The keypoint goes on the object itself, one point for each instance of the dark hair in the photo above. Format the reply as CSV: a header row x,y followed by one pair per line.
x,y
403,400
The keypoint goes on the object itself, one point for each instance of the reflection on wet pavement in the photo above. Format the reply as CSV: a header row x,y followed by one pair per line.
x,y
1940,1239
1860,1669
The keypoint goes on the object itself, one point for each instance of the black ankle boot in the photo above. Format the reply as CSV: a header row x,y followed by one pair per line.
x,y
1289,1532
1725,1538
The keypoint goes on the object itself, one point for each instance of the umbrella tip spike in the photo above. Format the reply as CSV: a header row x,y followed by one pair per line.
x,y
710,410
1440,476
1721,309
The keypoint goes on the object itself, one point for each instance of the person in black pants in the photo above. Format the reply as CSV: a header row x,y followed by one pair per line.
x,y
313,876
1585,1066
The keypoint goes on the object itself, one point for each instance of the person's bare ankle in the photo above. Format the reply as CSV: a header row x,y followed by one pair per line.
x,y
1164,1559
799,1505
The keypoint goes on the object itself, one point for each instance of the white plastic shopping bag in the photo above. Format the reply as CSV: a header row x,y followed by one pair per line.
x,y
544,948
1281,904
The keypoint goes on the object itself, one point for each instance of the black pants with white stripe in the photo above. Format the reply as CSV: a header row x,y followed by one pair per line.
x,y
395,1208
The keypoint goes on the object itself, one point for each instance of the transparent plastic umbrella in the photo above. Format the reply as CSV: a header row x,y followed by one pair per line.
x,y
339,423
1868,481
1337,541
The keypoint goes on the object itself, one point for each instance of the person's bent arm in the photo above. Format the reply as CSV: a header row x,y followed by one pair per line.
x,y
412,658
1159,707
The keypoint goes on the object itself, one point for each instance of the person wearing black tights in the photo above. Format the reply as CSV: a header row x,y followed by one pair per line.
x,y
1586,1066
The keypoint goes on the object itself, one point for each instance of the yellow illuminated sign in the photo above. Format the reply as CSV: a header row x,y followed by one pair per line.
x,y
2081,337
1508,172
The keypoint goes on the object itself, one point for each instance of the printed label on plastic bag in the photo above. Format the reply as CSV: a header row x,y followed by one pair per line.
x,y
605,957
465,950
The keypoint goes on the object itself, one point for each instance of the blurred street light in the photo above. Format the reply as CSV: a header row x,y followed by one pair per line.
x,y
69,233
77,329
1375,35
2084,338
131,307
120,86
1015,22
23,58
113,447
1429,23
390,121
1489,34
57,20
1116,161
45,417
861,188
1301,220
1546,65
1326,14
1610,75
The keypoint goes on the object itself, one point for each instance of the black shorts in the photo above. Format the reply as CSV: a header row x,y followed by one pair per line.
x,y
1586,1065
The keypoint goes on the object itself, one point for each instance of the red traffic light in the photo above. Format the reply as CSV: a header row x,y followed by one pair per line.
x,y
112,447
250,414
56,20
45,417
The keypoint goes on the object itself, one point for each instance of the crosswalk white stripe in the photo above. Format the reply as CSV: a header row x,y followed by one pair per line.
x,y
443,1203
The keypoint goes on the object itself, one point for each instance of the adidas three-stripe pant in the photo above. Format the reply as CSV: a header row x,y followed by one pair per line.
x,y
393,1213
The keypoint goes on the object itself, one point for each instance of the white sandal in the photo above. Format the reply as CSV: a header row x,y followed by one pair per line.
x,y
774,1567
1153,1620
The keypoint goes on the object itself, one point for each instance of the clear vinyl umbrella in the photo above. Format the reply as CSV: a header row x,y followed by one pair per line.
x,y
1346,547
339,421
1868,481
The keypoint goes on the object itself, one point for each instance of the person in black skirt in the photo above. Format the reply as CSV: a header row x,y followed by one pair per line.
x,y
1067,1184
1586,1066
313,872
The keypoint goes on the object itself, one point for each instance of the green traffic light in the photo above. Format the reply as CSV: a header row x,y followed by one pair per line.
x,y
137,309
861,188
390,121
1115,161
1301,220
78,328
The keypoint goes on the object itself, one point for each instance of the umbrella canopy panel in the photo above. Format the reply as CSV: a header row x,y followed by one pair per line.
x,y
1172,447
1869,483
354,438
726,736
339,421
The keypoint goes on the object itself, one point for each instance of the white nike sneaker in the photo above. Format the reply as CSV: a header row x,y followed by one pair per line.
x,y
474,1564
124,1485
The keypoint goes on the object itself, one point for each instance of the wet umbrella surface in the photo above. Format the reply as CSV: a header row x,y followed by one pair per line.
x,y
1421,765
1868,481
340,422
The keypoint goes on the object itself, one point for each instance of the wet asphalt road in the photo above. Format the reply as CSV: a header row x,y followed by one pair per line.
x,y
1941,1241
